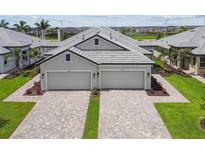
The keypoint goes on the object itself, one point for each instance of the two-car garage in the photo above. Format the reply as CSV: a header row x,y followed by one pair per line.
x,y
105,79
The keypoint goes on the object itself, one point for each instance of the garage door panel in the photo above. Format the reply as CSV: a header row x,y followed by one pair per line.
x,y
122,80
68,80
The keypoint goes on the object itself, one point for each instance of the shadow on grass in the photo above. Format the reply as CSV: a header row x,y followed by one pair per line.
x,y
3,122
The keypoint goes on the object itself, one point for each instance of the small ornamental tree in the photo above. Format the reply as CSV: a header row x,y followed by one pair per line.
x,y
18,57
182,53
35,53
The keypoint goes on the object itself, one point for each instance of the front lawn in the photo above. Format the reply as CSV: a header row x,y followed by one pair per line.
x,y
158,61
144,37
8,86
11,114
91,123
182,119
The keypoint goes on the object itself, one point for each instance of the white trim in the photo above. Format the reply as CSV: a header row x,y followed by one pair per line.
x,y
123,70
60,71
70,52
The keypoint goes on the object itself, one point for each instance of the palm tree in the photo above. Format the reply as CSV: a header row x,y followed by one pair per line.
x,y
4,23
176,56
18,57
43,26
22,26
35,54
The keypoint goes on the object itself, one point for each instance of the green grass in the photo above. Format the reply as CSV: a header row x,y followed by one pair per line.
x,y
158,61
182,119
144,37
8,86
91,124
11,114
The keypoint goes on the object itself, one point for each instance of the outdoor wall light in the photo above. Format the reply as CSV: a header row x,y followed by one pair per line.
x,y
148,75
98,74
93,75
42,75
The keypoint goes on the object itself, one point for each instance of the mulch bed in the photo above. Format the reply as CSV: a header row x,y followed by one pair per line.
x,y
156,89
167,70
35,90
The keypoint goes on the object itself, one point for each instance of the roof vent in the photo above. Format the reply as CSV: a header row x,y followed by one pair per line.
x,y
110,35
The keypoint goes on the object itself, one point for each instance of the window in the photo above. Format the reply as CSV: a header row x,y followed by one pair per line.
x,y
96,41
202,61
194,61
5,61
67,57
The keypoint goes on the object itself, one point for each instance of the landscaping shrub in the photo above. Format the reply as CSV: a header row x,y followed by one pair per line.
x,y
95,92
27,73
14,74
30,71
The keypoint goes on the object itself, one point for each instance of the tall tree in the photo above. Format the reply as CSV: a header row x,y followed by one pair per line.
x,y
22,26
43,25
4,23
18,57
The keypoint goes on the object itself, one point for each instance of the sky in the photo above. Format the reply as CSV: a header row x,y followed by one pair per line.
x,y
108,20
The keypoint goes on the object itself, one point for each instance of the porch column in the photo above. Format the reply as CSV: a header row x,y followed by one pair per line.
x,y
197,64
21,59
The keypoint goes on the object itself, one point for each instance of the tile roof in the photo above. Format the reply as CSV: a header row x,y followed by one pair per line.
x,y
199,50
113,57
194,38
4,50
147,43
12,38
134,55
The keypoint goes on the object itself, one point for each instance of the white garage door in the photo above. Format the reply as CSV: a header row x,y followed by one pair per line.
x,y
69,80
122,80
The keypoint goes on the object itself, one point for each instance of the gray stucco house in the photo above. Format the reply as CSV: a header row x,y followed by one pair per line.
x,y
11,39
97,58
194,40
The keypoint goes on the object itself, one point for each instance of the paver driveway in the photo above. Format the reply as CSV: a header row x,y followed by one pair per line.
x,y
129,114
57,114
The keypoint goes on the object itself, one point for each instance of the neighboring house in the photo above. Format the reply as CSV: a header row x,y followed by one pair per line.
x,y
97,58
151,45
10,39
193,40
